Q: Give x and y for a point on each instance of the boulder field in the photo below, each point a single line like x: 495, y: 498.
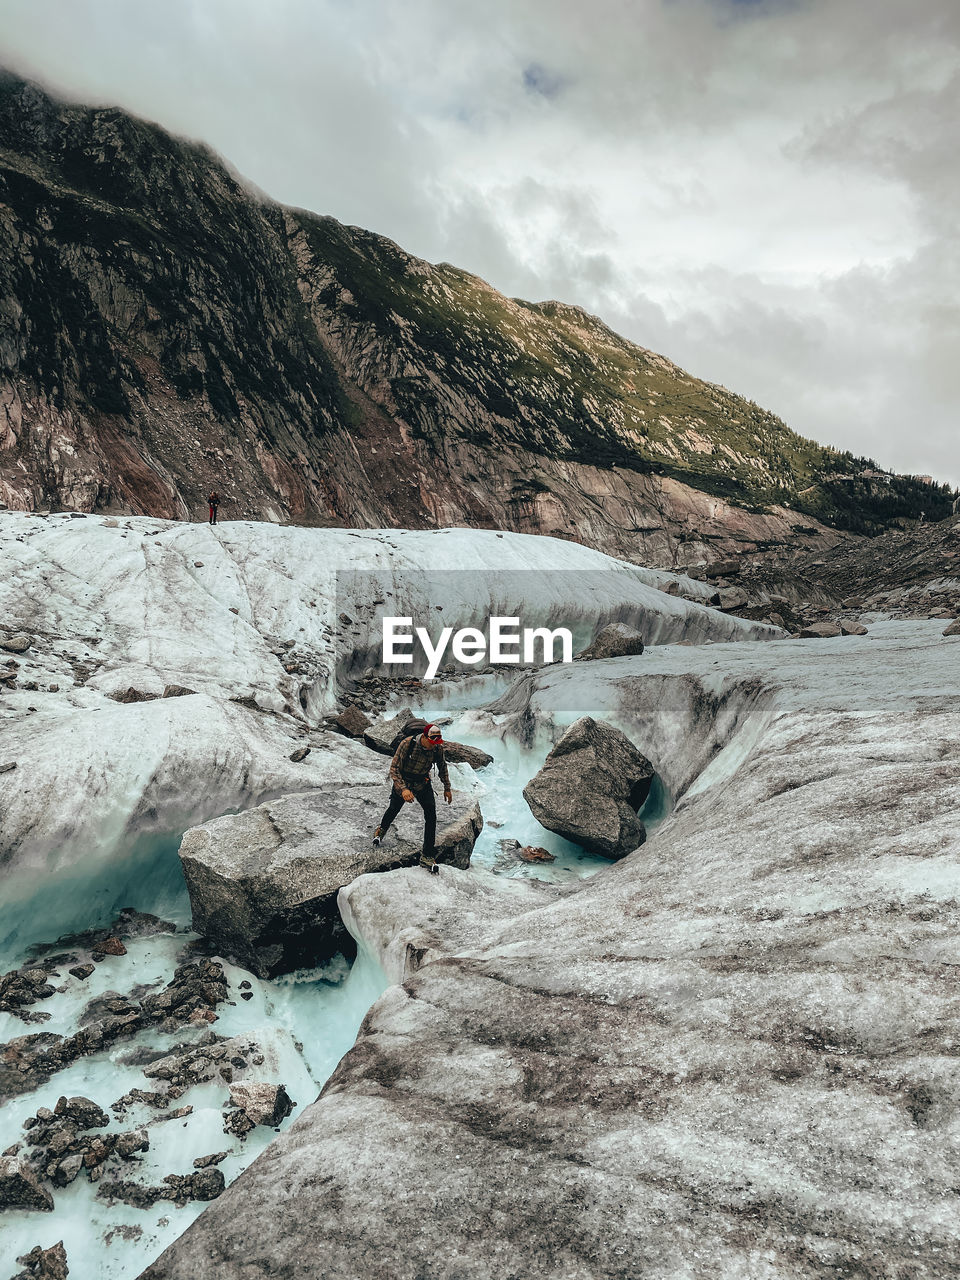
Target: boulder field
x: 732, y: 1053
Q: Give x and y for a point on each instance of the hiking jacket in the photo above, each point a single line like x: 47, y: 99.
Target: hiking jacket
x: 413, y: 761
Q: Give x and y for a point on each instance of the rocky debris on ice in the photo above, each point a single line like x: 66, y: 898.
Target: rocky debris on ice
x: 616, y: 640
x: 215, y: 1157
x: 513, y: 851
x: 21, y: 988
x: 205, y: 1184
x: 590, y: 787
x: 61, y: 1145
x: 263, y: 884
x: 29, y: 1060
x: 953, y: 629
x: 214, y: 1059
x: 733, y: 1052
x: 535, y: 853
x: 81, y: 1112
x: 44, y: 1264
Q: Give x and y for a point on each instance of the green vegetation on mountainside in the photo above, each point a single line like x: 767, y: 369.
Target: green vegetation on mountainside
x: 556, y: 380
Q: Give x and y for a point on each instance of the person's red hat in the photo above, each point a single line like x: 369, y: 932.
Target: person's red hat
x: 432, y: 731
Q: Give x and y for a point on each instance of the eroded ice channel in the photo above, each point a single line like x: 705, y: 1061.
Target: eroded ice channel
x: 302, y: 1023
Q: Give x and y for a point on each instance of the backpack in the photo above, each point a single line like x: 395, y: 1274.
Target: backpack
x: 412, y: 729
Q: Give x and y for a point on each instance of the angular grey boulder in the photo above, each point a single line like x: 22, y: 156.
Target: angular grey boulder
x: 380, y: 735
x: 590, y: 787
x: 615, y: 641
x: 263, y: 884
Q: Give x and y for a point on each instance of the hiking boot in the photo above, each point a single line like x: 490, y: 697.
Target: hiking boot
x: 430, y: 864
x: 377, y: 838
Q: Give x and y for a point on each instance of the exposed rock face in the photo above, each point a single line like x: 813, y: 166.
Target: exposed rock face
x: 614, y: 641
x: 718, y: 1057
x: 263, y: 883
x: 590, y: 787
x: 214, y: 339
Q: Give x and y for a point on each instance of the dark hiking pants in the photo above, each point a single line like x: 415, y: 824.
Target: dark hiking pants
x: 425, y: 798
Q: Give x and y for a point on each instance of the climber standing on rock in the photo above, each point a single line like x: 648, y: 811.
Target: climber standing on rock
x: 410, y: 770
x: 214, y: 501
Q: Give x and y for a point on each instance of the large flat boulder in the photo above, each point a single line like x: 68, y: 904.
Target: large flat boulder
x: 590, y: 787
x: 263, y: 884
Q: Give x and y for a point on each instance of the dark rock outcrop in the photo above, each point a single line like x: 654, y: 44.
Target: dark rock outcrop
x: 590, y: 787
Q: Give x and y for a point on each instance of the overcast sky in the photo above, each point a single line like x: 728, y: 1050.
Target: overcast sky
x: 766, y: 191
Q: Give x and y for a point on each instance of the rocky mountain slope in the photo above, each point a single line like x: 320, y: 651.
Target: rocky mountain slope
x: 165, y: 329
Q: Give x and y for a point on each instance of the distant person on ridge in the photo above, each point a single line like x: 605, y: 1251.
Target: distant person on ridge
x: 214, y: 501
x: 410, y: 775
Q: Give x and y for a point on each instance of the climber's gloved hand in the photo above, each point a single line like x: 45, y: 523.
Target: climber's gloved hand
x: 407, y: 795
x: 448, y: 795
